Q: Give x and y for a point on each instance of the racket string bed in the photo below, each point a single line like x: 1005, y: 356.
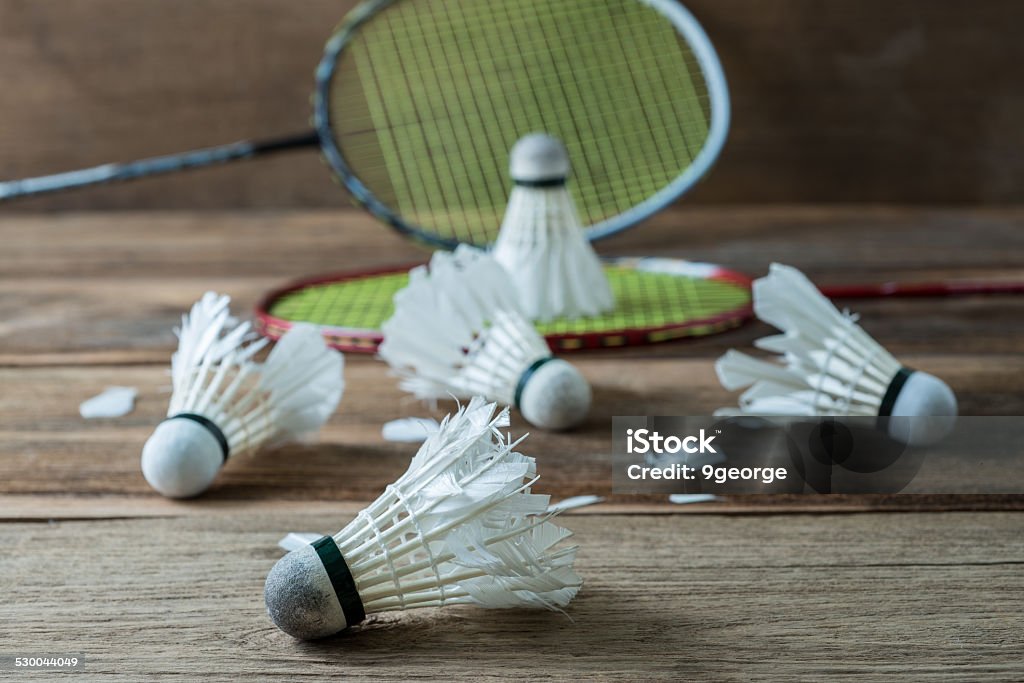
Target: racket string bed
x: 658, y: 300
x: 445, y: 110
x: 418, y: 102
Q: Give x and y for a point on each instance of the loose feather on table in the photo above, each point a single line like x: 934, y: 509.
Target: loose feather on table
x: 112, y: 402
x: 409, y: 429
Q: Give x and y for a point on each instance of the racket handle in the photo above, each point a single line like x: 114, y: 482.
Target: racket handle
x: 107, y: 173
x: 924, y: 289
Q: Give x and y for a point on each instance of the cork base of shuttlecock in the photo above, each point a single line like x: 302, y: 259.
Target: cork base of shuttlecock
x: 300, y: 597
x: 925, y: 411
x: 556, y: 397
x: 181, y: 459
x: 538, y: 157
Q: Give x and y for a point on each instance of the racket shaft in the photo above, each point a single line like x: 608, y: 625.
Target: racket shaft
x: 107, y: 173
x: 924, y: 289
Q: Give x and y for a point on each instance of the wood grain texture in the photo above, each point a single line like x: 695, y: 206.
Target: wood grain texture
x: 850, y: 100
x: 751, y: 588
x: 46, y: 448
x: 52, y: 508
x: 89, y: 300
x: 91, y: 286
x: 874, y: 597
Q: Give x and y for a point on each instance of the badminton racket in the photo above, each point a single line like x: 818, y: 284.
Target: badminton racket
x: 418, y: 102
x: 657, y: 300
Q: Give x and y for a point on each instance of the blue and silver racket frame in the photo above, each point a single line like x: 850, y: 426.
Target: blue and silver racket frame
x: 680, y: 17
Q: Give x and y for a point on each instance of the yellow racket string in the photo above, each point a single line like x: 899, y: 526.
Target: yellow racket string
x: 644, y: 300
x: 430, y: 96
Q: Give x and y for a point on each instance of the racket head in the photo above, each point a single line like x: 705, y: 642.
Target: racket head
x: 417, y: 104
x: 657, y: 300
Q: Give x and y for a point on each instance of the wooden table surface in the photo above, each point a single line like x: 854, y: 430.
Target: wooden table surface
x: 793, y: 588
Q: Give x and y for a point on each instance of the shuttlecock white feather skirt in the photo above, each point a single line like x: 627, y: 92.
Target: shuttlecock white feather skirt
x: 492, y: 365
x: 224, y: 403
x: 828, y: 365
x: 461, y: 526
x: 457, y: 331
x: 546, y: 253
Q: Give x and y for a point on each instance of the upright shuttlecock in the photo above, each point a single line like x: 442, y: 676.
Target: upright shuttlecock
x: 830, y: 366
x: 224, y: 403
x: 542, y: 244
x: 457, y: 331
x: 461, y: 526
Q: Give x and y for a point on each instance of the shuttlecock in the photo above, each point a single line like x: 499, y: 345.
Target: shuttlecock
x: 830, y: 366
x: 542, y: 244
x: 457, y: 331
x: 461, y: 526
x: 225, y: 403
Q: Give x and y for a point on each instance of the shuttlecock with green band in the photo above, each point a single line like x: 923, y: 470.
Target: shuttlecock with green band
x: 461, y: 526
x: 829, y: 366
x: 458, y: 331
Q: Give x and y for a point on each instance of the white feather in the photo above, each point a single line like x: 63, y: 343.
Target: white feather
x: 574, y: 503
x: 690, y: 498
x: 296, y: 540
x: 462, y: 525
x: 409, y: 429
x: 827, y: 365
x: 214, y: 375
x: 112, y: 402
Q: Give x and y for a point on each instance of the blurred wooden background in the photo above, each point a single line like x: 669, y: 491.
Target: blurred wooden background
x: 910, y: 101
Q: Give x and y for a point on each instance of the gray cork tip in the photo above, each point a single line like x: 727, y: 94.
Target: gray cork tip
x: 539, y: 157
x: 300, y: 598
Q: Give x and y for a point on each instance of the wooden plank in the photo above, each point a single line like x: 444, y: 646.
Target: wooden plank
x: 46, y: 448
x: 91, y: 286
x: 88, y: 300
x: 842, y: 101
x: 921, y: 597
x: 847, y: 243
x: 72, y: 508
